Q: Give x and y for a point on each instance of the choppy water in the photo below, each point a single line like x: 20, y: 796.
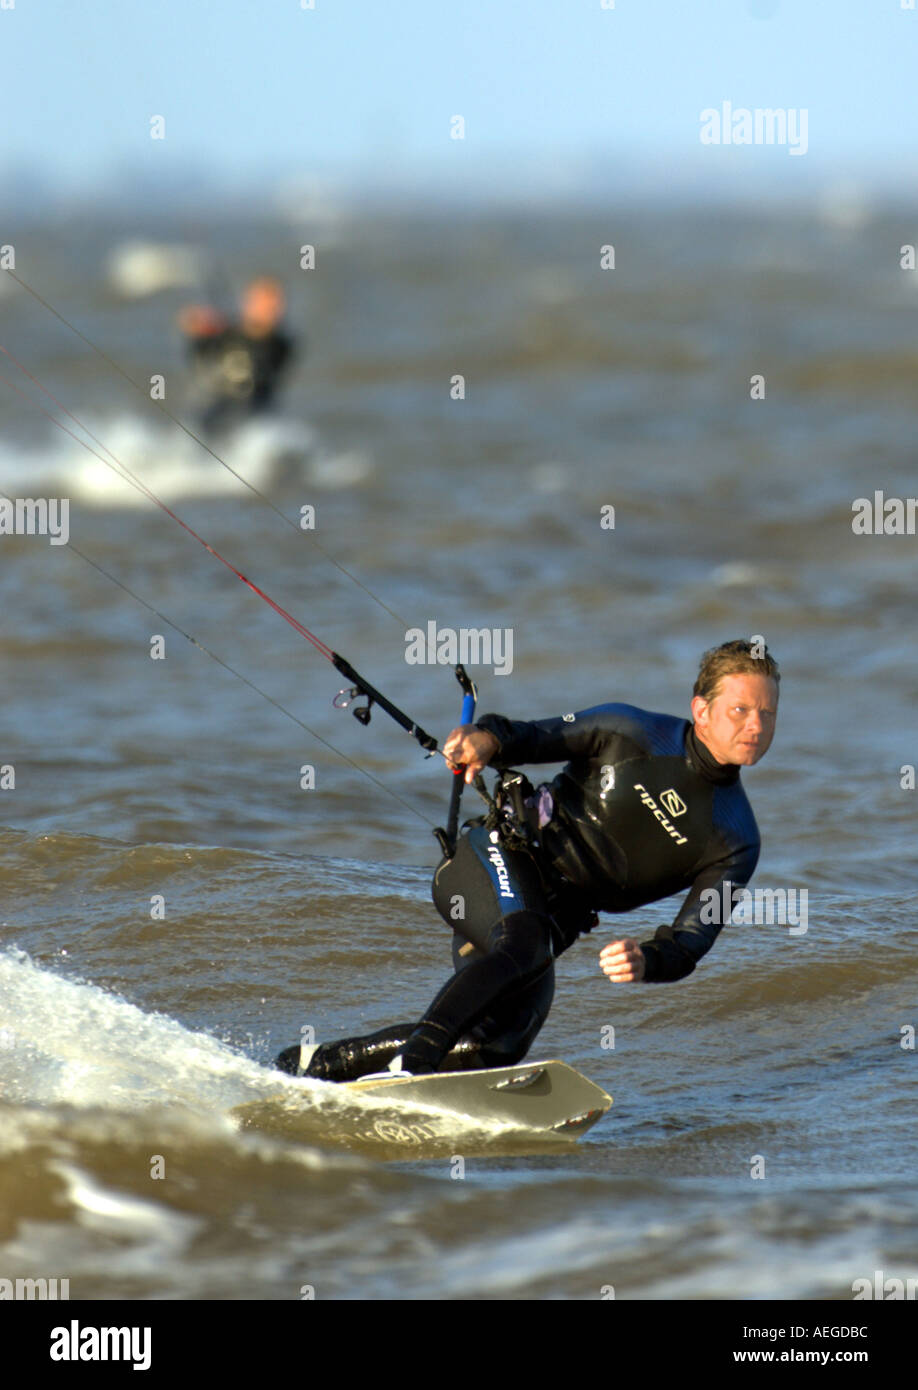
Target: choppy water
x: 124, y: 1037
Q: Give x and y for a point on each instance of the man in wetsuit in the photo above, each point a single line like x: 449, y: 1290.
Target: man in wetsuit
x: 646, y: 806
x: 238, y: 366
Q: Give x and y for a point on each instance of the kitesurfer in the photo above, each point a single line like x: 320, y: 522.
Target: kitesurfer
x: 238, y: 366
x: 647, y: 805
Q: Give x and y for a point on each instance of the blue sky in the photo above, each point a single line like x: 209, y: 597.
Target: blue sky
x: 556, y: 94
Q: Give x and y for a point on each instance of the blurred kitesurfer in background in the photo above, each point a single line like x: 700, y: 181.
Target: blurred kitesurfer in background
x: 237, y: 365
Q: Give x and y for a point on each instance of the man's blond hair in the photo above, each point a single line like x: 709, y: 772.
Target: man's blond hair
x: 738, y: 658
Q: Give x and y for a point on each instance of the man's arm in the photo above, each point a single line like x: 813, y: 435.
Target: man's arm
x: 500, y: 742
x: 677, y: 948
x: 559, y: 740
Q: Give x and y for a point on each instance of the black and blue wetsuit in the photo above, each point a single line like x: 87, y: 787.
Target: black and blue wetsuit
x: 641, y: 810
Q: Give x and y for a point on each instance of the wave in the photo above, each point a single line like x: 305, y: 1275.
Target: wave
x: 264, y: 453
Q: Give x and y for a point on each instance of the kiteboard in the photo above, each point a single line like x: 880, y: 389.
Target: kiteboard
x: 525, y: 1106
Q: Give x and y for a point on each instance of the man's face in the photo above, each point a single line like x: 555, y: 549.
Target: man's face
x: 739, y: 723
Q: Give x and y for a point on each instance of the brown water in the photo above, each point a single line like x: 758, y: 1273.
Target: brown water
x: 125, y: 1037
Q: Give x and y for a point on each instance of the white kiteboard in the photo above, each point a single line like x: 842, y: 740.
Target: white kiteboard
x: 532, y: 1103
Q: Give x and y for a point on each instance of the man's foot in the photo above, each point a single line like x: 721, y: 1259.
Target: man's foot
x: 295, y: 1060
x: 425, y: 1049
x: 394, y: 1070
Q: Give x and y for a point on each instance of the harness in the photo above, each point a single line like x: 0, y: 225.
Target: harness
x: 512, y: 812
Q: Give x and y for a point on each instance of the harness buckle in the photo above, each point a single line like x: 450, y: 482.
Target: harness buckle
x: 514, y: 820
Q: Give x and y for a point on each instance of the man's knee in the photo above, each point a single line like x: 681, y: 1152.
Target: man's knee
x: 505, y: 1036
x: 525, y: 937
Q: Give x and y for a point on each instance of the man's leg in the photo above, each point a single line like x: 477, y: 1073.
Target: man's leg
x: 497, y: 1040
x: 494, y: 899
x: 519, y: 954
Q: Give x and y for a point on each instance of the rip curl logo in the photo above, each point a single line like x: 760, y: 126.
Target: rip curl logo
x: 500, y: 868
x: 673, y: 802
x: 568, y: 718
x: 652, y: 806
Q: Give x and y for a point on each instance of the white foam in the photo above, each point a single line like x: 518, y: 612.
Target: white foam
x: 71, y: 1043
x: 66, y: 1042
x: 170, y: 463
x: 139, y: 268
x: 115, y: 1213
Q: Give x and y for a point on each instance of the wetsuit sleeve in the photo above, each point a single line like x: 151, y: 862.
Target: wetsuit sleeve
x: 559, y: 740
x: 677, y: 948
